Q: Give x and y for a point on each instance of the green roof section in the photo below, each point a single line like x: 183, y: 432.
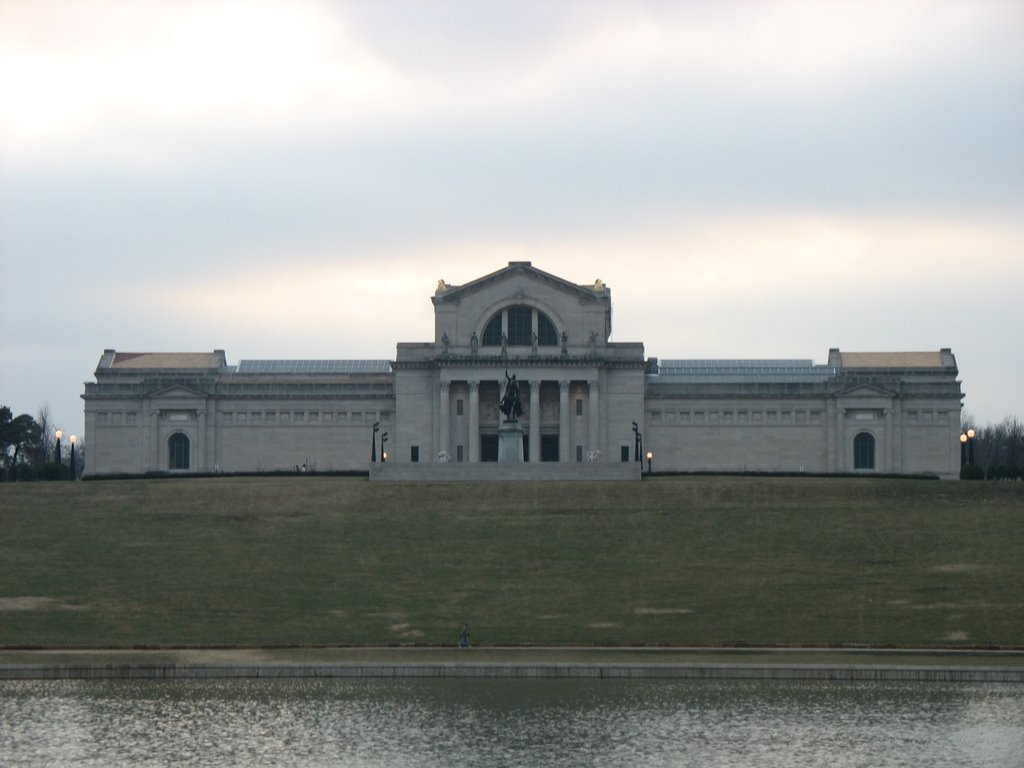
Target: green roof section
x: 259, y: 367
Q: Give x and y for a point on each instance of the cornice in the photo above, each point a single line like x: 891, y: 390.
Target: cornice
x: 533, y: 361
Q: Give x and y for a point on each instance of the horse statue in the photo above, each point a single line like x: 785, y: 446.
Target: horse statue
x: 510, y: 404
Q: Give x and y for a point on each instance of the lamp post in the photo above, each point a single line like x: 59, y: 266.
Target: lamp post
x: 967, y: 447
x: 58, y: 434
x: 74, y: 470
x: 638, y: 443
x: 383, y: 453
x: 373, y: 442
x: 650, y: 458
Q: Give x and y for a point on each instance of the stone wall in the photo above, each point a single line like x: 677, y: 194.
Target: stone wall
x: 486, y: 472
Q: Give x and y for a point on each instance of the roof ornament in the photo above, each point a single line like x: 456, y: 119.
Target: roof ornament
x: 441, y: 286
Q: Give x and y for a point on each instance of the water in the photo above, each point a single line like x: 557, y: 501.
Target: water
x: 494, y: 723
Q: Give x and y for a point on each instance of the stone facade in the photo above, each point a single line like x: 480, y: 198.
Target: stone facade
x: 253, y: 417
x: 581, y: 394
x: 901, y: 409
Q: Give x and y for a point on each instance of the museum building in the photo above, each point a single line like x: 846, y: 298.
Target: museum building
x: 590, y: 407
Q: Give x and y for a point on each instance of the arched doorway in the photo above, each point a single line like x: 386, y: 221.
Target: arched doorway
x: 864, y: 451
x: 179, y: 450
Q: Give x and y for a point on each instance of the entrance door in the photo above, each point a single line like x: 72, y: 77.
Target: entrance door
x: 549, y: 447
x: 488, y: 447
x: 178, y: 450
x: 864, y: 451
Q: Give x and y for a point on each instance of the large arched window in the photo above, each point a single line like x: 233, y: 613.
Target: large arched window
x: 546, y: 331
x: 178, y: 449
x: 519, y: 323
x: 864, y: 451
x: 492, y: 332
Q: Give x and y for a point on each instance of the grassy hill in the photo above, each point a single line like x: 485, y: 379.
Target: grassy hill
x: 688, y: 560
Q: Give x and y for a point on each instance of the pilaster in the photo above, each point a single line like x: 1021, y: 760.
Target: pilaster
x: 200, y: 449
x: 594, y: 421
x: 564, y: 436
x: 889, y: 439
x: 444, y: 418
x: 534, y: 420
x: 474, y: 422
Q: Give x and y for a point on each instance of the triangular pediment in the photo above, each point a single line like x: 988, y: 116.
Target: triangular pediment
x: 865, y: 390
x: 177, y: 392
x: 454, y: 293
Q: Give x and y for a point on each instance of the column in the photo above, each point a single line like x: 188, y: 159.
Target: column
x: 594, y: 420
x: 564, y: 438
x: 200, y: 450
x: 154, y: 441
x: 445, y: 418
x: 897, y: 437
x: 145, y: 427
x: 887, y: 467
x: 212, y: 457
x: 534, y: 420
x: 89, y: 435
x: 831, y: 464
x: 474, y: 422
x: 841, y: 449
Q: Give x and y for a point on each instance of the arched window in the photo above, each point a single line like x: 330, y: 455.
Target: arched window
x: 520, y: 326
x: 492, y: 333
x: 519, y: 323
x: 178, y: 450
x: 546, y: 331
x: 864, y: 451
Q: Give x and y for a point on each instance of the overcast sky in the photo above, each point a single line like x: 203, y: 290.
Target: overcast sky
x: 290, y: 179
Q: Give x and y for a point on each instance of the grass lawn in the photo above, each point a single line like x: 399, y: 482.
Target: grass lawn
x: 674, y: 560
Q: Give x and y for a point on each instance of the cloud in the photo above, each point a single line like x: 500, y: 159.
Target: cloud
x: 845, y: 279
x: 533, y: 52
x: 152, y: 85
x: 735, y: 171
x: 736, y: 272
x: 72, y: 69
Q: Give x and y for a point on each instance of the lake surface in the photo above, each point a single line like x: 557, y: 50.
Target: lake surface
x: 494, y: 723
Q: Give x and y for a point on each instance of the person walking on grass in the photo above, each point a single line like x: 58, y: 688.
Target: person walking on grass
x: 464, y: 636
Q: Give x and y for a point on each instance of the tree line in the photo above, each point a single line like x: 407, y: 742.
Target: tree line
x: 31, y: 450
x: 992, y: 452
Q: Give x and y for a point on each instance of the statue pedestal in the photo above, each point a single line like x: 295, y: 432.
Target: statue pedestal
x: 510, y: 442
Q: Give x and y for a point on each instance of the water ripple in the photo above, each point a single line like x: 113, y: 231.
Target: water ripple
x: 496, y: 723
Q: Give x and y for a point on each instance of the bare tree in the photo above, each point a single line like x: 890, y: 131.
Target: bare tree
x: 1015, y: 445
x: 47, y: 448
x: 998, y: 449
